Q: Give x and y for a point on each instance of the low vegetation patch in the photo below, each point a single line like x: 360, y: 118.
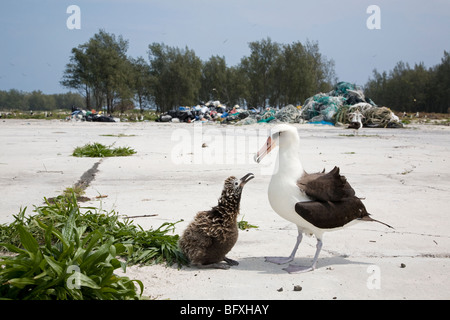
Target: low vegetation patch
x: 98, y: 150
x: 62, y: 253
x: 76, y: 190
x: 120, y: 135
x: 245, y: 225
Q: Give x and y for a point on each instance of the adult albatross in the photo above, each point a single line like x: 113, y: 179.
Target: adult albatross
x: 316, y: 202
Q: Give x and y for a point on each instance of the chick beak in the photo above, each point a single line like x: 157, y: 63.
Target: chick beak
x: 266, y: 148
x: 245, y: 179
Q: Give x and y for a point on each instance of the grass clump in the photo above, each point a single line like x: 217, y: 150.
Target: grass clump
x: 98, y: 150
x: 245, y: 225
x: 120, y: 135
x: 62, y: 253
x: 76, y: 190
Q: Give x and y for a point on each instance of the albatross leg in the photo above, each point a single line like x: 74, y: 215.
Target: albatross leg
x: 299, y: 269
x: 283, y: 260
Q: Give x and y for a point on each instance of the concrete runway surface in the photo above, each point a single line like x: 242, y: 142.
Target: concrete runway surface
x: 179, y: 169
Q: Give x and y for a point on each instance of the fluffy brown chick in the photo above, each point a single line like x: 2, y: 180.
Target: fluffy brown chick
x: 213, y: 233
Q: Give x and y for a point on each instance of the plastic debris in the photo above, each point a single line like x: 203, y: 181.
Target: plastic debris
x: 332, y: 108
x: 288, y: 114
x: 83, y: 115
x: 346, y: 98
x: 322, y: 105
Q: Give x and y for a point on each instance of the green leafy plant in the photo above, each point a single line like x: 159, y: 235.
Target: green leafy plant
x: 244, y: 225
x: 153, y: 246
x: 98, y: 150
x: 144, y: 246
x: 72, y: 268
x: 59, y: 248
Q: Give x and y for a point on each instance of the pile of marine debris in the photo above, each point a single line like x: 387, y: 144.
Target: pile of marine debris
x: 210, y: 111
x: 332, y: 108
x: 94, y: 116
x: 337, y: 106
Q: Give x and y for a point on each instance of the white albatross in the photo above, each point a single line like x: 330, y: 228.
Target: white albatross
x: 316, y: 203
x: 356, y: 121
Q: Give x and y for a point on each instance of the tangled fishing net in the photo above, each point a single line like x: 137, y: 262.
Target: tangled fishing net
x: 346, y: 98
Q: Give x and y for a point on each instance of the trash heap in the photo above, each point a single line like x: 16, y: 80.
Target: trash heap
x: 288, y: 114
x: 236, y: 115
x: 94, y: 116
x: 211, y: 111
x: 332, y: 108
x: 336, y: 106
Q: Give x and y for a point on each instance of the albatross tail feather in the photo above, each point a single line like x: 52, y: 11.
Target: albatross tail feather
x: 368, y: 218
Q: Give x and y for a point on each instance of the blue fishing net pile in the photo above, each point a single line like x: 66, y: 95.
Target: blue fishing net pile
x: 324, y: 106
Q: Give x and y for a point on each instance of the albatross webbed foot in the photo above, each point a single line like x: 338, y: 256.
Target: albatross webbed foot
x: 279, y: 260
x: 298, y: 269
x: 284, y: 260
x: 301, y: 269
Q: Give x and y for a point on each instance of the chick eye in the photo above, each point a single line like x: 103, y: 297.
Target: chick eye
x: 236, y: 183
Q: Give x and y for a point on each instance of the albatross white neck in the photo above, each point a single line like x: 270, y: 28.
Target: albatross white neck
x: 288, y: 160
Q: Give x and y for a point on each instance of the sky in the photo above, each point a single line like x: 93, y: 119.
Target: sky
x: 35, y: 42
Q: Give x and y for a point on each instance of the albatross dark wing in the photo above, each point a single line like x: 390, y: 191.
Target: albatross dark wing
x: 329, y: 215
x: 335, y: 202
x: 329, y: 186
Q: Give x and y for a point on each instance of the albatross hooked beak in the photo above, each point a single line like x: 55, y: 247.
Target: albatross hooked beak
x: 246, y: 178
x: 266, y: 148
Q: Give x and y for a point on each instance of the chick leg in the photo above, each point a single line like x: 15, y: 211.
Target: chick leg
x: 230, y: 262
x: 217, y: 265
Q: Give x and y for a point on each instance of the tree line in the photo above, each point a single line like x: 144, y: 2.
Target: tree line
x: 413, y: 89
x: 25, y: 101
x: 273, y: 74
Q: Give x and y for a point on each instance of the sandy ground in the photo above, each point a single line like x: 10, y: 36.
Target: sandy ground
x: 403, y: 174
